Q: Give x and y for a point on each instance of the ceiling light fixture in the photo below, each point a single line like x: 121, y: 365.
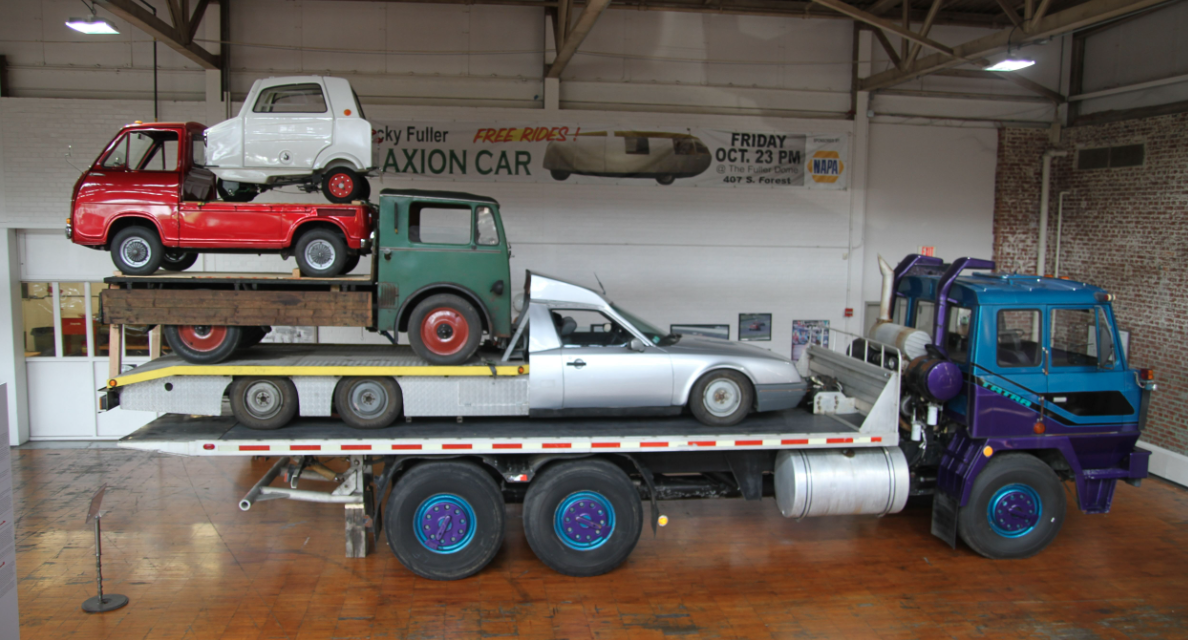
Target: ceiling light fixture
x: 1011, y: 64
x: 92, y: 25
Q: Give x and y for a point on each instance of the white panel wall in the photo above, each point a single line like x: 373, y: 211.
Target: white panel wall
x: 1148, y: 48
x: 928, y: 186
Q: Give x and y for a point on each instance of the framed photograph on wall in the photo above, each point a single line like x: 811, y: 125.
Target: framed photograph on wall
x: 754, y: 327
x: 806, y: 332
x: 707, y: 330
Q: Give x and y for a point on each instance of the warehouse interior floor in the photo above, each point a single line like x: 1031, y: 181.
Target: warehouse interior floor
x: 195, y: 566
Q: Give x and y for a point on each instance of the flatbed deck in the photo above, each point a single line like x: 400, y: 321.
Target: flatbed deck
x: 215, y: 277
x: 223, y: 436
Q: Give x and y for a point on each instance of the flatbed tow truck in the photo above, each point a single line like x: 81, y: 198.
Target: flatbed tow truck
x: 990, y: 392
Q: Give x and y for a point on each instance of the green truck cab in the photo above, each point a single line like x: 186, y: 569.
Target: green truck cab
x: 442, y: 273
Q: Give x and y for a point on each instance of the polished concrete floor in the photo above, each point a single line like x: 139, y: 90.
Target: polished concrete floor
x: 195, y: 566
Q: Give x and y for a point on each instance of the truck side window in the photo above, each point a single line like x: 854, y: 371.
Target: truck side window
x: 585, y: 328
x: 1019, y: 338
x: 291, y: 98
x: 484, y: 227
x: 439, y: 224
x: 144, y: 151
x: 925, y: 316
x: 957, y: 333
x: 198, y: 150
x: 1107, y: 356
x: 1074, y: 337
x: 118, y: 158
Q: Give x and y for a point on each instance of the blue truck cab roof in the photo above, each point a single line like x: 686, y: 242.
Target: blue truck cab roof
x: 1004, y: 289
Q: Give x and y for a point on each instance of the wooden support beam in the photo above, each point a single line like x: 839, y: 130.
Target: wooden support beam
x: 981, y: 74
x: 1080, y: 16
x: 196, y: 19
x: 1039, y: 14
x: 858, y: 14
x: 925, y: 28
x: 140, y: 18
x: 886, y: 44
x: 574, y: 39
x: 882, y: 6
x: 1009, y: 11
x: 906, y: 14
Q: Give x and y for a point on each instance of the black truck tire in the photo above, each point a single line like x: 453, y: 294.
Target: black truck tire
x: 321, y: 253
x: 1016, y: 508
x: 582, y: 518
x: 721, y: 398
x: 368, y: 402
x: 137, y: 251
x: 203, y: 344
x: 178, y: 260
x: 445, y: 329
x: 445, y: 520
x: 352, y: 261
x: 263, y: 402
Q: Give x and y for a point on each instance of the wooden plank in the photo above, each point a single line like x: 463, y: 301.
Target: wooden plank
x: 236, y: 308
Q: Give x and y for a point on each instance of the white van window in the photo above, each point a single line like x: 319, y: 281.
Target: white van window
x: 636, y: 145
x: 291, y: 98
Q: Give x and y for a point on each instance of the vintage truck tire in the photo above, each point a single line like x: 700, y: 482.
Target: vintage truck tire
x: 352, y: 261
x: 203, y: 344
x: 264, y: 402
x: 342, y: 185
x: 445, y: 329
x: 582, y: 518
x: 445, y: 520
x: 368, y: 402
x: 230, y: 191
x: 1016, y: 508
x: 137, y: 251
x: 721, y: 398
x: 251, y: 336
x: 321, y: 253
x: 178, y: 260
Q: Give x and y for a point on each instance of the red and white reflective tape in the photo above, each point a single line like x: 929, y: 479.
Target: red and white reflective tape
x: 501, y: 446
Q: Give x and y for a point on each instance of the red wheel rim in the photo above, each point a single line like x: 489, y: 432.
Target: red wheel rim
x: 202, y: 337
x: 444, y: 331
x: 341, y: 185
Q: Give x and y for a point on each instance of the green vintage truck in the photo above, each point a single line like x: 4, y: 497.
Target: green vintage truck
x: 439, y: 272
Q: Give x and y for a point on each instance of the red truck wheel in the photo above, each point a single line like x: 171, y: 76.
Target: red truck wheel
x: 342, y: 185
x: 202, y: 344
x: 445, y: 329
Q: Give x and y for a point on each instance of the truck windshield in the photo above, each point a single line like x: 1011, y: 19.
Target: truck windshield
x: 657, y: 336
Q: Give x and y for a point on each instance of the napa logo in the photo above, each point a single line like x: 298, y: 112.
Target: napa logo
x: 826, y: 167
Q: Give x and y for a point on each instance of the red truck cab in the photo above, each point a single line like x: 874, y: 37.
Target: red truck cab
x: 150, y: 201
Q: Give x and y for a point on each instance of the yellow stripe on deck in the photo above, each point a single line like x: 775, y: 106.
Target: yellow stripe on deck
x: 475, y: 371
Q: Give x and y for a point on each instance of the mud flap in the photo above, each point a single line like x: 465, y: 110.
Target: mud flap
x: 944, y: 518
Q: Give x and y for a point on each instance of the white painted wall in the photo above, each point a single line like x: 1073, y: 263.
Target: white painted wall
x: 928, y: 186
x: 1144, y: 49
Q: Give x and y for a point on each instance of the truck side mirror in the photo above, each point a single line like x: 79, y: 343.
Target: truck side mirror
x: 637, y: 345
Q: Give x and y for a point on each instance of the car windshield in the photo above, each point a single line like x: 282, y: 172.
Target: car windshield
x: 658, y: 337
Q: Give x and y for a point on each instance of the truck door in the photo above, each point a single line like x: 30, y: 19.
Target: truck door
x: 1088, y: 382
x: 287, y: 127
x: 138, y: 176
x: 602, y: 371
x: 1009, y: 378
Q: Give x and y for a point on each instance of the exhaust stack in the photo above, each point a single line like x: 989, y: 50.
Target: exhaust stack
x: 888, y: 282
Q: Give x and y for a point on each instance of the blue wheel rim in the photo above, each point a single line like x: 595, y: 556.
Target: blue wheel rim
x: 1014, y: 511
x: 444, y: 523
x: 584, y: 520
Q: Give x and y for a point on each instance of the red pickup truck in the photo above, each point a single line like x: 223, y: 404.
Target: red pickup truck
x: 148, y: 199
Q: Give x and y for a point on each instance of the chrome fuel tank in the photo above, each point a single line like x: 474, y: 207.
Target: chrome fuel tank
x: 841, y: 482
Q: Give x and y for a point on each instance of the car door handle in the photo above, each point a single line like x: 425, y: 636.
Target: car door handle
x: 579, y: 363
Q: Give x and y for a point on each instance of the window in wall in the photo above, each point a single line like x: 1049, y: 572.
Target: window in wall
x: 37, y: 310
x: 291, y: 98
x: 72, y: 309
x: 1019, y: 338
x: 1127, y: 155
x: 957, y: 333
x: 73, y: 326
x: 101, y: 332
x: 439, y: 225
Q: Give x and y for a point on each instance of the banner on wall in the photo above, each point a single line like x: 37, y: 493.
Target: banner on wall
x: 584, y: 154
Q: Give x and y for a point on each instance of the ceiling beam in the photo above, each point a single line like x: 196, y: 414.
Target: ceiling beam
x: 882, y: 6
x: 886, y: 44
x: 196, y: 19
x: 1080, y: 16
x: 924, y: 29
x: 1030, y: 85
x: 1039, y: 14
x: 574, y: 38
x: 858, y: 14
x: 1010, y: 13
x: 140, y: 18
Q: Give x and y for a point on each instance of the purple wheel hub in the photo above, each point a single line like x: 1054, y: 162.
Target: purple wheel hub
x: 584, y: 520
x: 444, y: 523
x: 1015, y: 510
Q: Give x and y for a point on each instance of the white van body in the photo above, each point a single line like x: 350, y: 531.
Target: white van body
x: 290, y: 127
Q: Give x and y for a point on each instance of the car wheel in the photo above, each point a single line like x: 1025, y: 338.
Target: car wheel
x: 665, y: 179
x: 559, y: 175
x: 203, y: 344
x: 178, y: 260
x: 1016, y: 508
x: 368, y: 403
x: 582, y: 518
x: 263, y: 403
x: 352, y: 261
x: 721, y: 398
x: 137, y: 251
x: 445, y: 520
x: 365, y: 193
x: 444, y: 329
x: 342, y: 185
x: 231, y: 191
x: 321, y: 253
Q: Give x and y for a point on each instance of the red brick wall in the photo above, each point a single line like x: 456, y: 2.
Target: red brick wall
x: 1125, y: 230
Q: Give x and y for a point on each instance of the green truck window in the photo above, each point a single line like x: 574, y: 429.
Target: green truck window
x: 484, y: 225
x: 439, y: 224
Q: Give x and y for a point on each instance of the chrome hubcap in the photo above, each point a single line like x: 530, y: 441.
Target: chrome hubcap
x: 368, y: 399
x: 135, y: 252
x: 722, y: 397
x: 263, y: 399
x: 319, y: 254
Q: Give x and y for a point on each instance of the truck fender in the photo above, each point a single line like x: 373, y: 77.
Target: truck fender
x: 309, y: 223
x: 406, y: 307
x: 339, y: 159
x: 681, y: 396
x: 125, y: 219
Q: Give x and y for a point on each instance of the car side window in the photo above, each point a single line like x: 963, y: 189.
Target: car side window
x: 1019, y: 338
x: 439, y: 224
x: 586, y: 328
x: 291, y: 98
x: 484, y: 226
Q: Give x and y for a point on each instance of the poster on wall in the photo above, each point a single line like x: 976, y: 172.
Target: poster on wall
x: 754, y: 327
x: 8, y: 576
x: 593, y: 153
x: 807, y: 332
